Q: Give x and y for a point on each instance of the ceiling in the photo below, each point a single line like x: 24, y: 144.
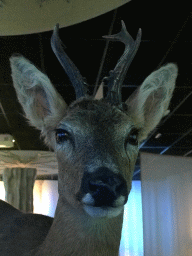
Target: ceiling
x: 165, y: 38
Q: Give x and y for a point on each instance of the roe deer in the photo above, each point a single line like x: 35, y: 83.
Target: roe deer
x: 96, y: 143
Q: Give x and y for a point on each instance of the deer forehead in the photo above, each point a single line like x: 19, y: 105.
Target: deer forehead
x: 86, y: 116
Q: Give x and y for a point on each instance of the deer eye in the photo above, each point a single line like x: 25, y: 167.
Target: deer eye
x: 61, y: 136
x: 132, y: 137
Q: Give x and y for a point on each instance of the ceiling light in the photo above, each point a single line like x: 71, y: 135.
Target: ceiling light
x: 158, y: 136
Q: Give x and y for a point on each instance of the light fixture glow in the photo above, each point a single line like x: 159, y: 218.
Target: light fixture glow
x: 158, y: 135
x: 2, y: 146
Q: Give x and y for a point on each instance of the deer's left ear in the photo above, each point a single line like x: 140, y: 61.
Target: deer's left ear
x: 151, y: 101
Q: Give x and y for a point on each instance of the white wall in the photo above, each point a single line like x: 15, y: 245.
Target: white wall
x: 45, y: 197
x: 132, y: 232
x: 167, y: 205
x: 2, y: 190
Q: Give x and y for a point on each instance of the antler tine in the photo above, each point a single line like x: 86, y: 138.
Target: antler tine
x: 73, y: 73
x: 117, y: 75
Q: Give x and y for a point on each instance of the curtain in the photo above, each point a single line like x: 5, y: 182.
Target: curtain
x: 19, y: 184
x: 132, y: 232
x: 167, y: 205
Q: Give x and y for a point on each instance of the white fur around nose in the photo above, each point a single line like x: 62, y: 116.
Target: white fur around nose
x: 120, y: 201
x: 88, y: 199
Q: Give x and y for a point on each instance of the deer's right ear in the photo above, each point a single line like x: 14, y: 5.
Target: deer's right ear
x: 39, y: 99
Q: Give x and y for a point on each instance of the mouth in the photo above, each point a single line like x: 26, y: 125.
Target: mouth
x: 95, y: 211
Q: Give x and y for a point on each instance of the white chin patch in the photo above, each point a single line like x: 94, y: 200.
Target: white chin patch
x: 109, y: 212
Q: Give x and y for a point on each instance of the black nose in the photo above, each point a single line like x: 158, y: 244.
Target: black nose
x: 104, y: 186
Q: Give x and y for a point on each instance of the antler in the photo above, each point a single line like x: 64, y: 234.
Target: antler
x: 117, y: 75
x: 71, y: 70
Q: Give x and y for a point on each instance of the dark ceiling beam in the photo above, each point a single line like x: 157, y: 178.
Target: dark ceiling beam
x: 177, y: 140
x: 188, y: 153
x: 105, y: 52
x: 161, y: 62
x: 176, y: 39
x: 4, y: 114
x: 41, y: 52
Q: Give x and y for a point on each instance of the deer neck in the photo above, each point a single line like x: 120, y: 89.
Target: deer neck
x: 75, y: 233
